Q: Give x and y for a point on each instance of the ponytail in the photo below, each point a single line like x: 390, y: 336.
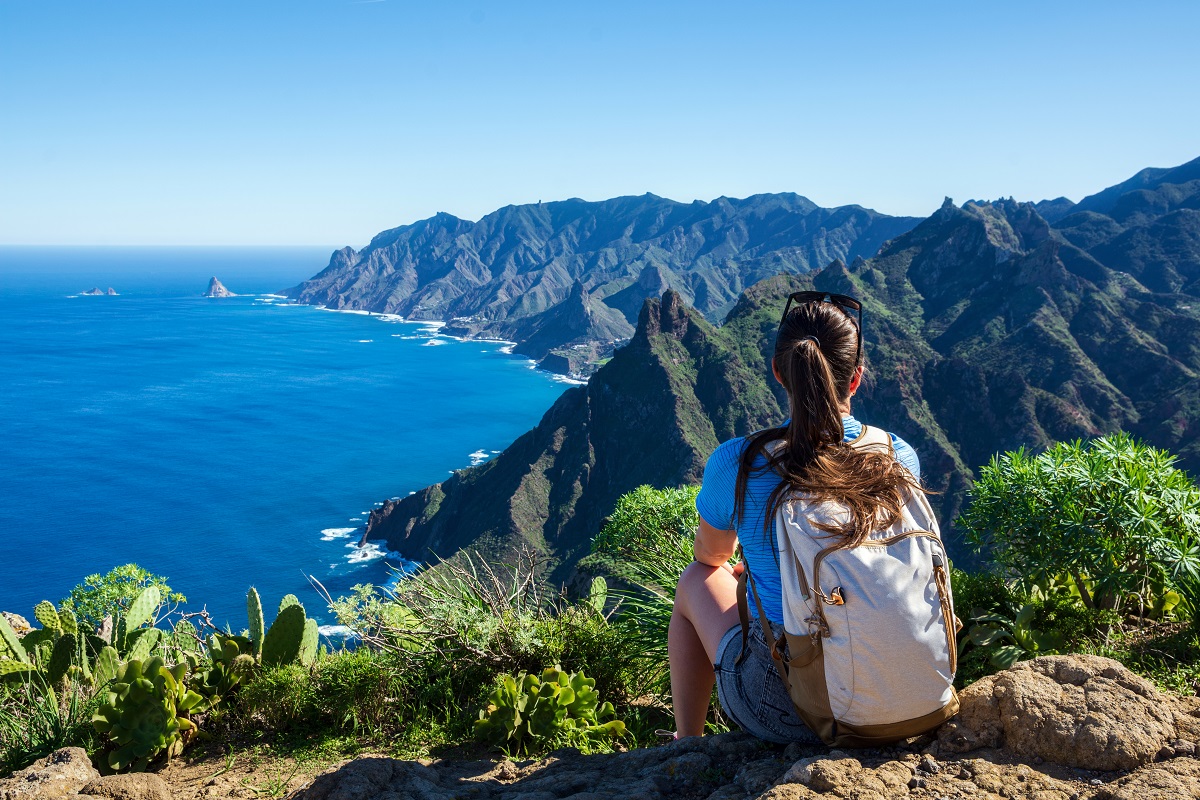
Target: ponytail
x: 816, y: 360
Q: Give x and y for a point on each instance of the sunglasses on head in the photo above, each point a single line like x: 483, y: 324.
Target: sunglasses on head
x: 847, y: 304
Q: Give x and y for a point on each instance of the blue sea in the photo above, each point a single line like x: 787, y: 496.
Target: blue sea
x: 223, y: 443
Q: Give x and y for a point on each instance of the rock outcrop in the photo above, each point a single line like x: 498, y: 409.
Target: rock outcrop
x: 68, y: 774
x: 1056, y: 728
x: 217, y: 289
x: 97, y: 291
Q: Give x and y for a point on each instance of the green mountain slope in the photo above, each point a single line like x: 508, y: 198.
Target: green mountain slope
x: 986, y: 329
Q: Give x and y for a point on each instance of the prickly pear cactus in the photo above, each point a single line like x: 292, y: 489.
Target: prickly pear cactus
x: 10, y: 644
x: 61, y: 658
x: 142, y: 643
x: 45, y: 613
x: 144, y: 714
x: 308, y: 644
x: 288, y: 600
x: 255, y: 614
x: 528, y: 712
x: 141, y: 610
x: 108, y: 664
x: 283, y: 641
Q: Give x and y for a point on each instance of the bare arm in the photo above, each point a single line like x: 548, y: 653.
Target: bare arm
x: 714, y: 547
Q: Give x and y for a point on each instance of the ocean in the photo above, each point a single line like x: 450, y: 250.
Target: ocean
x: 223, y: 443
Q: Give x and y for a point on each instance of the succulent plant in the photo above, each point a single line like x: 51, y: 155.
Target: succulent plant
x: 144, y: 713
x: 230, y: 661
x: 526, y: 712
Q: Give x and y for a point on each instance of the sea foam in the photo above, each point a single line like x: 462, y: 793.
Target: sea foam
x: 333, y: 534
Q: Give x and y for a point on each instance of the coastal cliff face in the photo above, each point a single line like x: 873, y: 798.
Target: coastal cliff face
x: 520, y: 272
x: 650, y: 416
x: 986, y: 330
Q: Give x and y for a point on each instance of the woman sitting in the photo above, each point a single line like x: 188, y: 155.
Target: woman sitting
x: 818, y: 360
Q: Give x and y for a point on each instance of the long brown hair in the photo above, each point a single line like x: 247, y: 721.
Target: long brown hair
x: 816, y: 356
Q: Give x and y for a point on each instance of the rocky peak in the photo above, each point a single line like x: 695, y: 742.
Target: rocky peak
x: 217, y: 289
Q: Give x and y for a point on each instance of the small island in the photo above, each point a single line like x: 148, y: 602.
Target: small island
x: 217, y: 289
x: 96, y: 290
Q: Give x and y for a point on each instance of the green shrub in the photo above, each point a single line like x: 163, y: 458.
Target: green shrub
x: 1112, y: 516
x: 650, y: 534
x: 102, y: 595
x: 527, y: 713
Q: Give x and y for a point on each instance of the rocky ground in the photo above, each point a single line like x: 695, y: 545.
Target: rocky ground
x: 1055, y: 728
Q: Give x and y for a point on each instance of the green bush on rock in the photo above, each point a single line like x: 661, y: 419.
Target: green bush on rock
x: 1112, y: 517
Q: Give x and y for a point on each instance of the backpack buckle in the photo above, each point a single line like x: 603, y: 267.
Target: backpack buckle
x: 834, y: 598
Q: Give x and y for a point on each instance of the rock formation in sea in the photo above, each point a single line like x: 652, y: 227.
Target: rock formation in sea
x: 97, y: 291
x: 217, y: 289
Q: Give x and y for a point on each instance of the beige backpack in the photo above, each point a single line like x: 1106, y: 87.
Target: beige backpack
x: 870, y: 630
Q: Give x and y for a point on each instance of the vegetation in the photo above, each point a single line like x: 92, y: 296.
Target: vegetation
x: 555, y: 709
x: 1093, y: 547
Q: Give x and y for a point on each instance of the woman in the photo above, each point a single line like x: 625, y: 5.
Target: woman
x: 818, y: 360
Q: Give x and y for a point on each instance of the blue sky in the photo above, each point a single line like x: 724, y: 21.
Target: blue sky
x: 323, y: 122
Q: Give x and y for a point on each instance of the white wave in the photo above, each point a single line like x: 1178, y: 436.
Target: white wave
x: 275, y: 296
x: 433, y: 343
x: 507, y: 349
x: 371, y: 551
x: 567, y: 379
x: 333, y: 534
x: 337, y: 631
x: 365, y: 341
x: 390, y: 317
x: 497, y: 452
x: 478, y: 457
x: 355, y: 519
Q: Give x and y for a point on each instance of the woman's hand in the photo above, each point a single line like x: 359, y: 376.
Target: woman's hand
x: 736, y: 569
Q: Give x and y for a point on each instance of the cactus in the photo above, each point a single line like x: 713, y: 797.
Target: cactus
x: 309, y: 642
x: 141, y: 610
x: 11, y: 667
x: 143, y: 643
x: 255, y: 613
x: 598, y: 595
x: 288, y: 600
x: 44, y: 613
x: 108, y: 664
x: 67, y: 622
x: 10, y: 645
x: 144, y: 713
x: 282, y: 643
x: 61, y: 658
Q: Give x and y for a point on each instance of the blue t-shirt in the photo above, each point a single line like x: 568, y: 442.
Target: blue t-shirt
x: 715, y: 504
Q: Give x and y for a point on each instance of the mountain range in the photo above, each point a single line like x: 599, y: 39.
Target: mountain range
x: 571, y: 276
x: 987, y: 328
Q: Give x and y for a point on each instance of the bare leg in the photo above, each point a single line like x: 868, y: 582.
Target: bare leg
x: 705, y: 608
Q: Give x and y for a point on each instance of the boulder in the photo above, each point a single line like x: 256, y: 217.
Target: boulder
x: 58, y: 776
x: 1080, y: 711
x: 135, y: 786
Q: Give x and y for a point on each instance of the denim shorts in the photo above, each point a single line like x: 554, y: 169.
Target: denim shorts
x: 752, y: 694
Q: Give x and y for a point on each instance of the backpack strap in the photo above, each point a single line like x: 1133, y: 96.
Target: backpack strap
x: 744, y: 613
x: 873, y: 439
